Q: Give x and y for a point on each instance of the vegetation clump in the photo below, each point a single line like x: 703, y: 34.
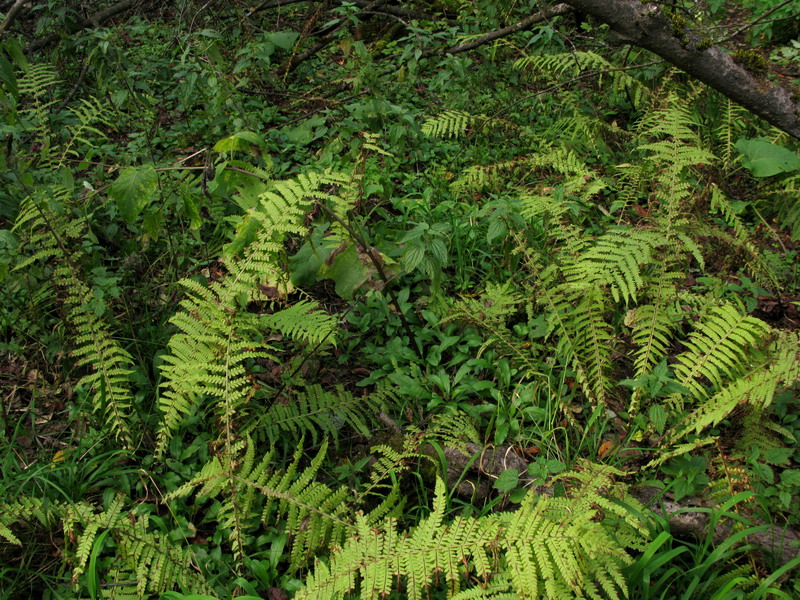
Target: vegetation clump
x: 390, y: 300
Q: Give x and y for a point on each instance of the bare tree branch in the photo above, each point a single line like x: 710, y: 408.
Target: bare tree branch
x: 646, y: 26
x: 527, y: 23
x: 94, y: 20
x: 11, y: 15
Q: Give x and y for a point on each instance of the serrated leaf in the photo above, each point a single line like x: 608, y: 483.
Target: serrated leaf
x: 414, y: 255
x: 507, y: 480
x: 133, y: 190
x: 242, y: 140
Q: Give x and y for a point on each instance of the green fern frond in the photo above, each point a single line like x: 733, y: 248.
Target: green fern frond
x: 571, y: 64
x: 761, y: 272
x: 219, y: 335
x: 616, y: 260
x: 654, y: 324
x: 455, y: 123
x: 718, y: 350
x: 549, y: 547
x: 25, y: 509
x: 578, y: 177
x: 51, y: 234
x: 313, y: 512
x: 90, y: 114
x: 302, y: 321
x: 156, y: 563
x: 754, y: 379
x: 584, y: 337
x: 310, y: 410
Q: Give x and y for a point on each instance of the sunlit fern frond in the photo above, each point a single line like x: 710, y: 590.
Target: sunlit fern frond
x: 219, y: 334
x: 726, y: 351
x: 718, y: 350
x: 456, y: 123
x: 554, y: 547
x: 616, y: 259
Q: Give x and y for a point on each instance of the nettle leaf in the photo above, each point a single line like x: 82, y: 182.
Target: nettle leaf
x: 242, y: 140
x: 283, y: 39
x: 765, y: 159
x: 507, y: 480
x: 133, y: 190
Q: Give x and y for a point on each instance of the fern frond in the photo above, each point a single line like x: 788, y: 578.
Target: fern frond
x: 616, y: 260
x: 755, y: 383
x: 156, y: 563
x: 653, y: 324
x: 450, y: 123
x: 313, y: 512
x: 455, y: 123
x: 310, y: 410
x: 24, y: 509
x: 90, y: 114
x: 551, y: 547
x: 578, y: 320
x: 51, y: 233
x: 572, y: 64
x: 760, y: 271
x: 302, y: 321
x: 718, y: 350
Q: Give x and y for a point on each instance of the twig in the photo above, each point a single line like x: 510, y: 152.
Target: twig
x: 756, y: 21
x: 74, y: 89
x: 555, y: 11
x: 95, y: 20
x: 11, y: 15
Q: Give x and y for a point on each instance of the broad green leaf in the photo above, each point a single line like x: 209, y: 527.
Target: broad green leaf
x: 283, y: 39
x: 765, y: 159
x: 242, y: 140
x: 133, y: 189
x: 347, y: 272
x: 507, y: 480
x: 246, y: 231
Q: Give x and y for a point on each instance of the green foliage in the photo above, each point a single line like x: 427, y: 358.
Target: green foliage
x: 555, y: 546
x: 283, y: 310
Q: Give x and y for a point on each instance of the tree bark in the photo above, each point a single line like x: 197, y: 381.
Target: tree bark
x: 645, y: 25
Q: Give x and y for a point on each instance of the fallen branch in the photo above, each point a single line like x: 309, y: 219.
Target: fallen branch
x: 527, y: 23
x: 645, y: 25
x: 94, y: 20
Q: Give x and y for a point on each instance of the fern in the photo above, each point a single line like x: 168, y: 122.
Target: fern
x: 455, y: 123
x: 218, y: 335
x: 313, y: 411
x: 754, y: 377
x: 549, y: 547
x: 616, y: 259
x: 572, y: 64
x: 108, y: 366
x: 718, y: 350
x: 315, y: 514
